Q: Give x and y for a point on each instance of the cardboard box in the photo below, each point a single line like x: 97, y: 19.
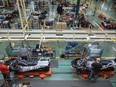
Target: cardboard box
x: 61, y: 25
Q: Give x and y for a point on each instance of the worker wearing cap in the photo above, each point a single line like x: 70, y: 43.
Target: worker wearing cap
x: 96, y: 67
x: 24, y: 52
x: 5, y: 72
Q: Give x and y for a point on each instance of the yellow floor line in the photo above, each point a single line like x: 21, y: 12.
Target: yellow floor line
x: 57, y: 57
x: 76, y: 78
x: 108, y: 57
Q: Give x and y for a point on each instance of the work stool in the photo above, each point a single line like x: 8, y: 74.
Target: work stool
x: 26, y: 84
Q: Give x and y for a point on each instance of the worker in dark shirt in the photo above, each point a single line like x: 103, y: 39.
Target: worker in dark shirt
x: 96, y: 67
x: 60, y: 9
x: 6, y: 73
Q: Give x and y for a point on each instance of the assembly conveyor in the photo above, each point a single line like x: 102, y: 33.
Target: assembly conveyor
x: 54, y: 35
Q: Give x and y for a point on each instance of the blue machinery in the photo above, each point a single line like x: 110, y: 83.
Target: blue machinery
x: 73, y: 49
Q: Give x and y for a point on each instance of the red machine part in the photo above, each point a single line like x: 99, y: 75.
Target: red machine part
x: 104, y: 74
x: 41, y: 74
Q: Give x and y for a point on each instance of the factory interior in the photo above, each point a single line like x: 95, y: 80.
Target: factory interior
x: 53, y: 43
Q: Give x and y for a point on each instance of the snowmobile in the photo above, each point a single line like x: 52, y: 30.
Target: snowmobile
x: 31, y: 64
x: 83, y: 65
x: 32, y: 67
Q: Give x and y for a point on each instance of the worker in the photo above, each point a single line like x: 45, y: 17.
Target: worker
x: 6, y: 73
x: 24, y: 52
x: 60, y: 9
x: 96, y: 67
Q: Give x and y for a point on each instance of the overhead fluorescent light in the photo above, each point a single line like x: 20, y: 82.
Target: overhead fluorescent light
x: 89, y: 38
x: 26, y: 36
x: 91, y: 35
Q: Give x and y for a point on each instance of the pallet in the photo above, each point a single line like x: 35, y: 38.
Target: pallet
x: 32, y: 74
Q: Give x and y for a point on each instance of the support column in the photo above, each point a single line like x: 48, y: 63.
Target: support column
x: 19, y: 10
x: 77, y: 8
x: 7, y: 2
x: 65, y: 1
x: 95, y: 7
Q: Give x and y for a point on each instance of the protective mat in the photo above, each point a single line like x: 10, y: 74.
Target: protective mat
x: 72, y: 83
x: 54, y: 63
